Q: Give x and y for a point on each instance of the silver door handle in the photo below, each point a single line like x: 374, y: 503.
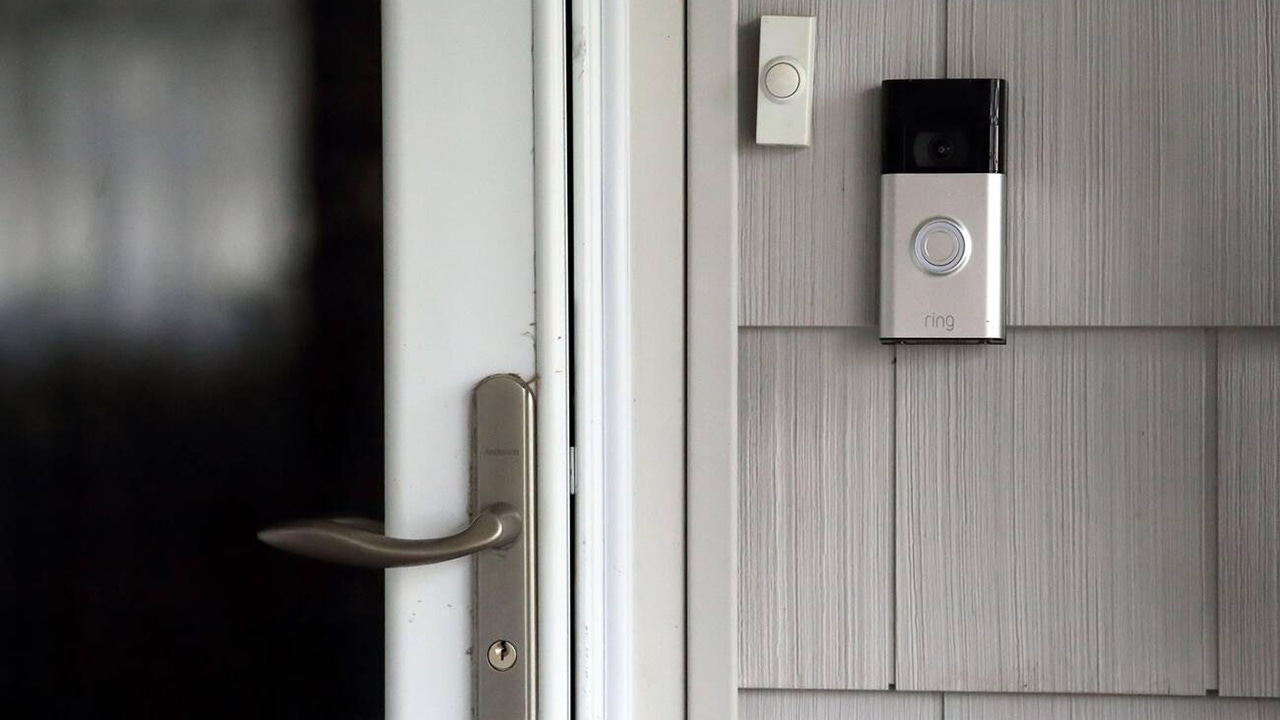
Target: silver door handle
x: 360, y: 542
x: 504, y: 487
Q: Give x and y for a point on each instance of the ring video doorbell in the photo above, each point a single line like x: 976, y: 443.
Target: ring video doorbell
x: 942, y: 212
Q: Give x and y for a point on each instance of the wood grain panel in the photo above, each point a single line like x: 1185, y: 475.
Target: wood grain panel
x: 1145, y: 444
x: 812, y: 705
x: 1249, y: 507
x: 1144, y: 156
x: 1050, y: 501
x: 809, y: 216
x: 816, y: 519
x: 1077, y: 707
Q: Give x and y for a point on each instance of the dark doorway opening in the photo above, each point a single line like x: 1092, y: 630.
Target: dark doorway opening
x: 191, y: 334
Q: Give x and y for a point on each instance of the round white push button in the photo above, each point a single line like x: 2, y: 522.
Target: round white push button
x: 940, y: 246
x: 782, y: 80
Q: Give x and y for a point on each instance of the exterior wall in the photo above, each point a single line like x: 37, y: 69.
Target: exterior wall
x: 1086, y: 519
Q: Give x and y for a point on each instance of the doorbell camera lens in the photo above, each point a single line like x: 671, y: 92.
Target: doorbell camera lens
x: 942, y: 212
x: 941, y: 148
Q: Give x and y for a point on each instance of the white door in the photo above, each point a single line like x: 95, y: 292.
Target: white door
x: 461, y: 205
x: 256, y: 258
x: 462, y: 201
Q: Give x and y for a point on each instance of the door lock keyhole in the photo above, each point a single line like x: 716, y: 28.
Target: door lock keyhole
x: 502, y: 655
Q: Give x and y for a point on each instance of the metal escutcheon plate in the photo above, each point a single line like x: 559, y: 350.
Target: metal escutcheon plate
x: 505, y: 608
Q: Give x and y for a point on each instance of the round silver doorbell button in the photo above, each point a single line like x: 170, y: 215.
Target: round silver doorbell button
x: 940, y: 246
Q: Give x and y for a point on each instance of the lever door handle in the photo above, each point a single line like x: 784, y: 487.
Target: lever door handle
x: 360, y: 542
x: 504, y: 485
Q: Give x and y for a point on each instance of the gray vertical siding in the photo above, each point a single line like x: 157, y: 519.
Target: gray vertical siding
x: 1249, y: 511
x: 1050, y: 501
x: 1090, y: 510
x: 809, y: 216
x: 792, y: 705
x: 816, y: 571
x: 1083, y: 707
x: 802, y: 705
x: 1144, y: 160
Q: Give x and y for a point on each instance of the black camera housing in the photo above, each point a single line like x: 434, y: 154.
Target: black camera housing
x: 943, y: 126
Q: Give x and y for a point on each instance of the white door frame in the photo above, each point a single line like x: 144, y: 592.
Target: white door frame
x: 656, y: 112
x: 451, y: 90
x: 552, y: 292
x: 713, y: 359
x: 628, y: 106
x: 475, y: 178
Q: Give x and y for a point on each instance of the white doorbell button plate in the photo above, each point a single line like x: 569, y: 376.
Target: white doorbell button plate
x: 784, y: 99
x: 940, y: 246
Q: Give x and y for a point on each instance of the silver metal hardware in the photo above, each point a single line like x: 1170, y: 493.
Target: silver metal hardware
x: 932, y: 290
x: 573, y: 470
x: 500, y: 537
x: 941, y: 246
x: 360, y: 542
x: 506, y: 607
x: 502, y: 655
